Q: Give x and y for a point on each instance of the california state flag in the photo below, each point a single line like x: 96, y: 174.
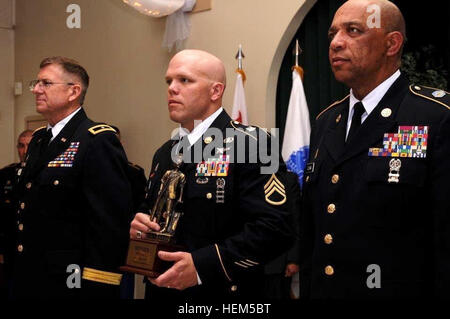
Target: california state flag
x: 239, y: 112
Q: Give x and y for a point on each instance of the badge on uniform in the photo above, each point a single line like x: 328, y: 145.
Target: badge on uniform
x: 310, y: 168
x: 221, y: 150
x: 410, y: 141
x: 202, y: 180
x: 66, y: 159
x: 275, y: 191
x: 220, y: 191
x: 394, y: 170
x: 214, y: 167
x: 228, y: 140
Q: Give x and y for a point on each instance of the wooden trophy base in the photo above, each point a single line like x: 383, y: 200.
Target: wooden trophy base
x: 142, y: 257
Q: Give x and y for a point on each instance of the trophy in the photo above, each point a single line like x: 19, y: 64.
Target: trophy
x: 142, y: 257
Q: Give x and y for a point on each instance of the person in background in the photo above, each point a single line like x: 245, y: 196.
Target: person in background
x: 8, y: 180
x: 138, y: 182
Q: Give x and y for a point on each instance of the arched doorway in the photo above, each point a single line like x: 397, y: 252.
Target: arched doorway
x: 320, y: 86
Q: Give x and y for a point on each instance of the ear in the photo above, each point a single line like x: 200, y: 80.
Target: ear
x: 75, y: 92
x: 394, y: 43
x: 217, y: 91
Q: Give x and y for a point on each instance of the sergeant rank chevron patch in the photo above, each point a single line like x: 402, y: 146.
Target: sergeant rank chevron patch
x: 275, y: 191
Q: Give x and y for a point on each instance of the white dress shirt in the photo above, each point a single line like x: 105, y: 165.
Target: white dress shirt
x: 371, y: 100
x: 60, y: 125
x: 200, y: 127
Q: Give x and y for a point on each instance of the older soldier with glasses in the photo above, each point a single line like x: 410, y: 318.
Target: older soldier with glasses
x: 74, y: 196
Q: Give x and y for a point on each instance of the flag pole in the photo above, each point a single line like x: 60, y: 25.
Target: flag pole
x: 239, y: 111
x: 240, y: 57
x: 297, y: 67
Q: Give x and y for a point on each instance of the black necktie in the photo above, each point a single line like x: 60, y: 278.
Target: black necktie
x: 45, y: 140
x: 358, y: 111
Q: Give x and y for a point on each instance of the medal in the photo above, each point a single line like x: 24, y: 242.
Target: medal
x: 220, y: 191
x: 202, y: 180
x: 394, y: 170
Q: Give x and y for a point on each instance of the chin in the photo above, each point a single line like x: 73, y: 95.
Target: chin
x: 173, y: 117
x: 343, y: 77
x: 40, y: 108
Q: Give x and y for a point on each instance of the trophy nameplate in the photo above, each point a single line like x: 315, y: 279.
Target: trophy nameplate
x: 142, y: 257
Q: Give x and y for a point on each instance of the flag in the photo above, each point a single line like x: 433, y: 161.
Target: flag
x: 239, y: 112
x: 295, y: 149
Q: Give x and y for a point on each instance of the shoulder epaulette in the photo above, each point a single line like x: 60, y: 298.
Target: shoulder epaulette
x: 38, y: 129
x: 334, y: 104
x: 248, y: 130
x: 135, y: 166
x: 99, y: 128
x: 436, y: 95
x: 11, y: 165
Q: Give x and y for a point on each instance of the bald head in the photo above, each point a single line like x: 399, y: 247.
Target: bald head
x: 196, y: 82
x: 366, y: 43
x: 391, y: 17
x: 205, y: 63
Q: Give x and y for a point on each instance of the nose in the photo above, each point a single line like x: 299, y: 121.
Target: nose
x: 37, y: 88
x: 338, y: 42
x: 173, y: 88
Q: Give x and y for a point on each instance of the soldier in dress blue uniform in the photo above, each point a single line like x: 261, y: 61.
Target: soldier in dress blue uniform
x: 74, y: 197
x: 8, y: 180
x: 234, y: 217
x: 376, y: 215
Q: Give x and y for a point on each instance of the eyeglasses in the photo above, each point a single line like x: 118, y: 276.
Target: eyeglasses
x: 44, y: 84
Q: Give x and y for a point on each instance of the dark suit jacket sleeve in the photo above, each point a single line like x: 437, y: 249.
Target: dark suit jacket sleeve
x: 109, y: 202
x: 294, y: 203
x: 278, y: 265
x: 440, y: 202
x: 262, y: 233
x: 306, y: 220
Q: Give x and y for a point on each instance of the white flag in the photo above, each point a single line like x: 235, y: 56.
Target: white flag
x: 239, y: 112
x: 295, y: 150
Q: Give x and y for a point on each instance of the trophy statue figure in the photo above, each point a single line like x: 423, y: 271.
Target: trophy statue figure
x: 164, y: 212
x: 142, y: 257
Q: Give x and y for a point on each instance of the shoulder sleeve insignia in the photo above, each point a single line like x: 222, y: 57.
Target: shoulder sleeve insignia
x: 332, y: 105
x: 275, y: 191
x: 94, y: 130
x: 436, y: 95
x: 38, y: 129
